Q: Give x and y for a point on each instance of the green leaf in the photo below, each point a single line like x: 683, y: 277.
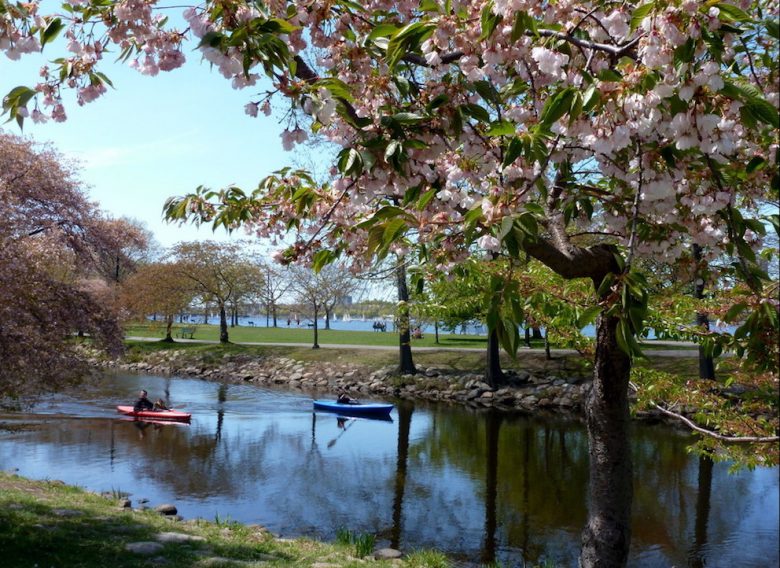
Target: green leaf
x: 476, y: 111
x: 501, y: 128
x: 488, y: 92
x: 588, y: 316
x: 408, y: 118
x: 557, y: 105
x: 392, y: 148
x: 735, y: 311
x: 609, y: 75
x: 52, y: 31
x: 337, y: 88
x: 639, y: 14
x: 489, y: 21
x: 732, y: 13
x: 513, y: 151
x: 382, y: 30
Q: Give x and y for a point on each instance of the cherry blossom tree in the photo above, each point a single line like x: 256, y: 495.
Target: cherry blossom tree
x: 502, y: 124
x: 49, y: 233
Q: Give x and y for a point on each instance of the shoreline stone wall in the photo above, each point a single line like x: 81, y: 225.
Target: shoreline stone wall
x: 528, y: 391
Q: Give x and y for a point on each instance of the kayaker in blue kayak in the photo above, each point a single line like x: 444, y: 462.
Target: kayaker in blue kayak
x: 344, y: 398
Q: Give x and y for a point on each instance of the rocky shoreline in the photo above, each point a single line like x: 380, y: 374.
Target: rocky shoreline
x: 555, y: 388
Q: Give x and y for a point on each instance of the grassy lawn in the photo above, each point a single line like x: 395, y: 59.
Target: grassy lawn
x: 245, y: 334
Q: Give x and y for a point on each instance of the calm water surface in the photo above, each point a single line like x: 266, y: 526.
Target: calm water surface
x: 480, y: 486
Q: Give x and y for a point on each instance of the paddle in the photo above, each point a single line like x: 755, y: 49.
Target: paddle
x: 334, y: 440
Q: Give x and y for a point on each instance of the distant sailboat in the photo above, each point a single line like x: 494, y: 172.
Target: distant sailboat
x: 346, y: 317
x: 363, y: 317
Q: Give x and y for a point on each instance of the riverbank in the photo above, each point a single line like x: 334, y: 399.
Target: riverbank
x: 533, y: 382
x: 48, y: 523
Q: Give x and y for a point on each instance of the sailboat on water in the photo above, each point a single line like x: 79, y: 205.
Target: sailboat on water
x: 346, y: 317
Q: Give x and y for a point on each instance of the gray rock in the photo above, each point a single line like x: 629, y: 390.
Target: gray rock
x: 178, y: 537
x: 166, y: 509
x: 125, y: 503
x: 67, y: 513
x: 387, y: 554
x: 145, y: 548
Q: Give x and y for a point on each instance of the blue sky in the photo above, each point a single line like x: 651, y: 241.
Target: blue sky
x: 154, y: 137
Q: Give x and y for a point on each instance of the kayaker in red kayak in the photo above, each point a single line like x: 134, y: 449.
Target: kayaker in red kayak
x: 143, y: 403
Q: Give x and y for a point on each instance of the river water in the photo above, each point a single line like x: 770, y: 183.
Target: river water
x: 480, y: 486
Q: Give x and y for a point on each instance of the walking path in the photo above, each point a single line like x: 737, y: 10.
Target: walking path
x: 691, y: 350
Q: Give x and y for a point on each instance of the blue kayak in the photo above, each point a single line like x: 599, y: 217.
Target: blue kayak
x: 360, y: 409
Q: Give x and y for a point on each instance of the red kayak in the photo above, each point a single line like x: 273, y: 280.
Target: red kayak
x: 156, y: 414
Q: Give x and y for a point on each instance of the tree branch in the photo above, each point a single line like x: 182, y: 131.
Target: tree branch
x: 721, y: 437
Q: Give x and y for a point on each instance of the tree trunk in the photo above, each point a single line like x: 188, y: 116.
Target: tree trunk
x: 406, y: 363
x: 436, y: 331
x: 494, y: 376
x: 316, y: 317
x: 273, y: 313
x: 528, y: 337
x: 223, y: 327
x: 327, y: 318
x: 547, y: 354
x: 205, y: 316
x: 168, y: 329
x: 706, y: 363
x: 537, y: 333
x: 606, y: 538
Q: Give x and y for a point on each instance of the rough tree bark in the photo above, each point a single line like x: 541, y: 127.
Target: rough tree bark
x: 316, y: 345
x: 223, y: 326
x: 606, y: 538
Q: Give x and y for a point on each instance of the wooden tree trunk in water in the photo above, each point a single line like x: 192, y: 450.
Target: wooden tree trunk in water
x: 494, y: 376
x: 606, y: 538
x: 223, y: 326
x: 406, y: 363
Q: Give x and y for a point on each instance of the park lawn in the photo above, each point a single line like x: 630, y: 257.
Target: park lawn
x: 246, y: 334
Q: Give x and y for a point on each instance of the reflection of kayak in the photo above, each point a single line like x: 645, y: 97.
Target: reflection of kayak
x: 155, y: 414
x: 367, y: 409
x: 148, y: 421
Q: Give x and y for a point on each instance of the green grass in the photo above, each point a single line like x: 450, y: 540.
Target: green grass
x: 246, y: 334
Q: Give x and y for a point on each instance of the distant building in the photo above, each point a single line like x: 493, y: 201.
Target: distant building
x: 346, y: 300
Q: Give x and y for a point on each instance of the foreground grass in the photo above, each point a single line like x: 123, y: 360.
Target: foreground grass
x: 46, y: 523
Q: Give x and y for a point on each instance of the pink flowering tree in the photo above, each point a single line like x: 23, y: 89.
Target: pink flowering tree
x: 585, y: 134
x: 50, y: 289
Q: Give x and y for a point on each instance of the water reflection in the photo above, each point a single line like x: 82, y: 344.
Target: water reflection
x: 483, y: 486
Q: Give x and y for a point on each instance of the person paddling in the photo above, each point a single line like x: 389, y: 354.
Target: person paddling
x: 344, y: 398
x: 143, y: 402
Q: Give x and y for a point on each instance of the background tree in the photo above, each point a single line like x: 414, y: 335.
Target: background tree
x: 217, y: 272
x: 158, y: 288
x: 277, y: 283
x: 49, y: 233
